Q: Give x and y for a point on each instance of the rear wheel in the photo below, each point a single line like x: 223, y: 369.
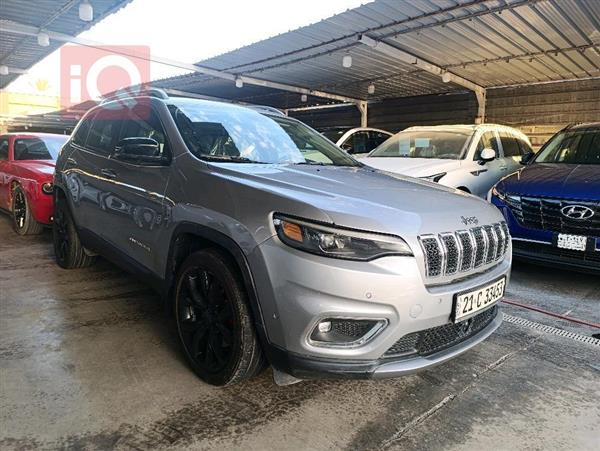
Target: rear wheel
x: 214, y: 322
x: 68, y: 251
x: 23, y: 220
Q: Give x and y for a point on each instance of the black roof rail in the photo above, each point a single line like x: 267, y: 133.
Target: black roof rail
x: 129, y: 93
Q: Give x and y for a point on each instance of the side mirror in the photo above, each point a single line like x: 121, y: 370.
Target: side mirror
x: 527, y: 157
x: 138, y: 150
x: 487, y: 154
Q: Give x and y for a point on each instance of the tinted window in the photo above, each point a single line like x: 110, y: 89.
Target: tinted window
x: 81, y: 133
x: 524, y: 146
x: 103, y: 132
x: 487, y: 141
x: 3, y: 148
x: 580, y: 146
x: 509, y: 145
x: 38, y: 148
x: 357, y: 143
x: 144, y: 123
x: 215, y: 132
x: 376, y: 138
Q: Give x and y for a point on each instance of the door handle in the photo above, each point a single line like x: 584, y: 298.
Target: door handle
x: 71, y: 160
x: 108, y: 173
x: 503, y: 168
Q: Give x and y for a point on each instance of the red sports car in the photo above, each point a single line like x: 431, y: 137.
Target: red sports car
x: 26, y: 171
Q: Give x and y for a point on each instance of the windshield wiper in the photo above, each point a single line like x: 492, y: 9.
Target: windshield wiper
x: 229, y: 159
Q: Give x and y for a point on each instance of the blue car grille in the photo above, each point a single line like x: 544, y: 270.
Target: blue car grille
x: 453, y: 253
x: 545, y: 214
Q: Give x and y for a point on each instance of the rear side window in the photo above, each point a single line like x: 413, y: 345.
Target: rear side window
x: 103, y: 133
x: 3, y: 148
x: 509, y: 145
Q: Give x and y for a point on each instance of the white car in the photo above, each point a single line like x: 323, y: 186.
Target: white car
x: 357, y: 141
x: 471, y: 158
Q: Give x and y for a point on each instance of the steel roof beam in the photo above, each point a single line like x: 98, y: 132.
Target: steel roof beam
x: 447, y: 77
x: 27, y: 30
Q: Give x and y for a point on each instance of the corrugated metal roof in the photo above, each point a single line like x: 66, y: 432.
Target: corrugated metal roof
x: 490, y: 42
x: 61, y: 16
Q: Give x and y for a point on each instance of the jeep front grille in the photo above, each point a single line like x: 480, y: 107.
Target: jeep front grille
x: 451, y: 253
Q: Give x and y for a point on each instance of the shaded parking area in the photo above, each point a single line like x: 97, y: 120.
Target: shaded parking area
x: 89, y: 361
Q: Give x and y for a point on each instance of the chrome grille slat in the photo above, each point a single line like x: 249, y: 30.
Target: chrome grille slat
x: 451, y: 253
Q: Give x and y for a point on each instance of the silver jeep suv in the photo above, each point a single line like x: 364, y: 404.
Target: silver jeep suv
x: 270, y: 244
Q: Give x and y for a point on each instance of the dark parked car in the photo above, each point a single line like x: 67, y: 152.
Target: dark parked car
x: 552, y: 205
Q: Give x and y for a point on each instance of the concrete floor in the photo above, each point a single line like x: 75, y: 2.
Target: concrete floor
x: 88, y: 361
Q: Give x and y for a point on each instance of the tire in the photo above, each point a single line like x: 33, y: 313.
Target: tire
x: 68, y: 251
x: 214, y: 324
x: 23, y: 221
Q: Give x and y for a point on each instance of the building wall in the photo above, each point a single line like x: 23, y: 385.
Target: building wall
x: 538, y: 110
x: 541, y: 110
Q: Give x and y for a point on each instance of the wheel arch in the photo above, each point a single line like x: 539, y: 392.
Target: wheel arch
x: 188, y: 238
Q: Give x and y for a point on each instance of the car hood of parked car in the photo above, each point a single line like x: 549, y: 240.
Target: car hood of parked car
x: 45, y: 167
x: 567, y: 181
x: 364, y: 198
x: 414, y: 167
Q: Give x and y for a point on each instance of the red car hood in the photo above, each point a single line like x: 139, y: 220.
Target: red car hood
x: 45, y: 167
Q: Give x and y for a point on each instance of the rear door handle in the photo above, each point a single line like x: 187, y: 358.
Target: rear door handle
x: 109, y: 173
x: 71, y: 160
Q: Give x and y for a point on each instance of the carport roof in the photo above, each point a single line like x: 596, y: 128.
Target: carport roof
x: 21, y: 52
x: 492, y: 43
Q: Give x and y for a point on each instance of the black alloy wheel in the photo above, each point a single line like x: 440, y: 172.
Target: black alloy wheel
x: 23, y: 220
x: 214, y: 322
x: 206, y: 320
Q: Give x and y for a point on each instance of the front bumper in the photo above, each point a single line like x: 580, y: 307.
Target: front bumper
x: 538, y: 246
x: 297, y: 290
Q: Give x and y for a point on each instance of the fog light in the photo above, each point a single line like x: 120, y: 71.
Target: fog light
x: 325, y: 326
x: 341, y: 332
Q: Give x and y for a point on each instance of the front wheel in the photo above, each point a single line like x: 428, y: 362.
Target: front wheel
x: 23, y: 220
x: 68, y: 251
x: 214, y: 322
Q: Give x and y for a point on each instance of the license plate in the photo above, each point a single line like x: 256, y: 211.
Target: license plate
x: 573, y: 242
x: 472, y: 302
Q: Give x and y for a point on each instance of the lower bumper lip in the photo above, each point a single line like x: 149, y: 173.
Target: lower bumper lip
x: 403, y: 367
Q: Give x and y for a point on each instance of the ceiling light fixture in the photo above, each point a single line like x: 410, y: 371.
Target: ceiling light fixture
x: 371, y: 88
x: 86, y: 11
x: 347, y: 61
x: 43, y: 39
x: 239, y: 83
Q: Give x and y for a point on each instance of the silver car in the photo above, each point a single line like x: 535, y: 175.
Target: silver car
x: 272, y: 245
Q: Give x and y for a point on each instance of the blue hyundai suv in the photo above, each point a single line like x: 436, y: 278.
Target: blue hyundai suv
x: 552, y: 205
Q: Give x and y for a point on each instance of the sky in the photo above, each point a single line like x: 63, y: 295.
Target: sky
x: 188, y: 31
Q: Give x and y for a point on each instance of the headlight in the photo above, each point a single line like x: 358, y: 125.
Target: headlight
x: 47, y: 188
x: 336, y: 242
x: 435, y: 177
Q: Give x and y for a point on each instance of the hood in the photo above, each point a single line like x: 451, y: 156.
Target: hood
x: 566, y: 181
x: 364, y: 198
x: 45, y: 167
x: 415, y: 167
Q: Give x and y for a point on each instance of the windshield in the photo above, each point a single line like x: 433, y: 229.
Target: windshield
x: 424, y: 144
x: 38, y: 148
x: 232, y: 134
x: 580, y: 146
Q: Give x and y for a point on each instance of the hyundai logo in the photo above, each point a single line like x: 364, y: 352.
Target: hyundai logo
x: 577, y: 212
